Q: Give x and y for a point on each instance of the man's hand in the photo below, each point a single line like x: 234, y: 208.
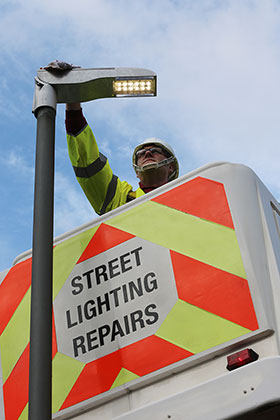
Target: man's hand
x: 63, y: 66
x: 59, y: 66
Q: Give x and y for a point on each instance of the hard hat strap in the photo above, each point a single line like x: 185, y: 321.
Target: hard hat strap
x: 154, y: 165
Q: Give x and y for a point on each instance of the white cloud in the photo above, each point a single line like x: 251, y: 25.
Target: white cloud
x: 15, y: 160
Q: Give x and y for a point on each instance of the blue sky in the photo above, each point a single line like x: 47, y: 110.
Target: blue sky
x: 218, y: 67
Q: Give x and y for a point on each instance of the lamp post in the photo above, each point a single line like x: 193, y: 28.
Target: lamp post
x: 77, y: 85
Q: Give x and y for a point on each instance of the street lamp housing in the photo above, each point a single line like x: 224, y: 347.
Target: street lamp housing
x: 83, y: 85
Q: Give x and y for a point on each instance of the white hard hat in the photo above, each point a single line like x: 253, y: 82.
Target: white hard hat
x: 165, y: 146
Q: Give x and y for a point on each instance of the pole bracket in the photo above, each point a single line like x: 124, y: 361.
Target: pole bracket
x: 44, y: 95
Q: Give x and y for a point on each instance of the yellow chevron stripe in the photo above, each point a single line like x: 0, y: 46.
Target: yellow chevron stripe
x: 123, y: 377
x: 15, y: 337
x: 24, y: 414
x: 197, y: 238
x: 197, y: 330
x: 66, y: 254
x: 65, y: 373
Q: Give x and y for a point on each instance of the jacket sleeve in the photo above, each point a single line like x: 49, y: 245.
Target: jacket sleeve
x: 103, y: 189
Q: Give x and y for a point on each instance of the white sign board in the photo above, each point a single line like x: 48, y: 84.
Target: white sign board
x: 114, y: 299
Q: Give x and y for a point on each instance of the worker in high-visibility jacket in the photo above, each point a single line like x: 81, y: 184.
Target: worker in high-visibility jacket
x: 153, y: 160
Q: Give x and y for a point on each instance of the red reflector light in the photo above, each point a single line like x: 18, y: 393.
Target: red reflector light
x: 241, y: 358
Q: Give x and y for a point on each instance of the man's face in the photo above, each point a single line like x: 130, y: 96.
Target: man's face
x: 154, y: 176
x: 150, y: 154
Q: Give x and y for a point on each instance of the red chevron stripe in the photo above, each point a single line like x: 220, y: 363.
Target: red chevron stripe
x: 15, y: 388
x: 200, y: 197
x: 54, y: 341
x: 140, y: 358
x: 105, y: 237
x: 150, y: 354
x: 95, y: 378
x: 12, y: 290
x: 214, y: 290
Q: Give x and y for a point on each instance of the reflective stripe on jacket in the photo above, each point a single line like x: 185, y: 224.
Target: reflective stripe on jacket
x: 103, y: 189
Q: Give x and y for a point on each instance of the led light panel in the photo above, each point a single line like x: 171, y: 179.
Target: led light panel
x: 134, y: 87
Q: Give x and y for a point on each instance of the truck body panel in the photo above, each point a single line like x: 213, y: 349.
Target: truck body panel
x: 150, y: 299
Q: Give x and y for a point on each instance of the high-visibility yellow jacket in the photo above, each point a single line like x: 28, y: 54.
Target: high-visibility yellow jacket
x: 103, y: 189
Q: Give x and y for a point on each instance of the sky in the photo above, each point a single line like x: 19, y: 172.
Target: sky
x: 218, y: 68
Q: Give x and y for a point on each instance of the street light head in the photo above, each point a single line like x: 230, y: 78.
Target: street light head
x: 123, y: 86
x: 82, y: 85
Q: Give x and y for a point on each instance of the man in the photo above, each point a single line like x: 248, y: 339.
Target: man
x: 153, y: 160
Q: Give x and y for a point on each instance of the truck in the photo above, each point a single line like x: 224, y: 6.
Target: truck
x: 165, y: 308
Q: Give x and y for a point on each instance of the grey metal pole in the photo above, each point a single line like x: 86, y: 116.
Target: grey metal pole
x: 52, y: 88
x: 40, y: 372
